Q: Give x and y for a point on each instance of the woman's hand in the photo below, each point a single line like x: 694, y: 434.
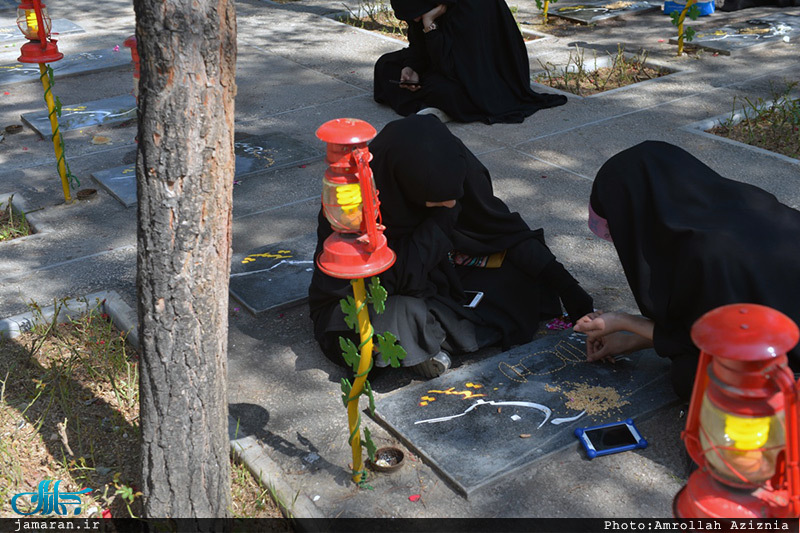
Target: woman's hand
x: 433, y: 14
x: 409, y: 74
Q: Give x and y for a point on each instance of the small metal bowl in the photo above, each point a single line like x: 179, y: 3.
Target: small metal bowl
x: 387, y: 459
x: 85, y: 194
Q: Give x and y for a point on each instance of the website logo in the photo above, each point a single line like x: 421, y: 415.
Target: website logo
x: 47, y: 502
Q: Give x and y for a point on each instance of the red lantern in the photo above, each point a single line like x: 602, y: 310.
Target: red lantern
x: 742, y: 427
x: 130, y: 42
x: 35, y: 24
x: 358, y: 248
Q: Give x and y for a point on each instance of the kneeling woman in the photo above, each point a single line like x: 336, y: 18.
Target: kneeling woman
x: 451, y: 235
x: 689, y: 241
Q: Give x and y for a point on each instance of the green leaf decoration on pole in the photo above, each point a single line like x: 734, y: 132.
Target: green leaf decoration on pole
x: 350, y: 353
x: 391, y: 352
x: 369, y: 445
x: 377, y: 295
x: 350, y: 311
x: 346, y: 387
x: 368, y: 392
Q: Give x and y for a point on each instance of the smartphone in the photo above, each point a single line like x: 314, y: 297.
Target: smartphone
x: 401, y: 82
x: 474, y: 297
x: 610, y: 438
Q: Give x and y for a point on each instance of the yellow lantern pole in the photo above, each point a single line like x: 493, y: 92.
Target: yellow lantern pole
x: 681, y: 19
x: 58, y: 141
x: 365, y: 363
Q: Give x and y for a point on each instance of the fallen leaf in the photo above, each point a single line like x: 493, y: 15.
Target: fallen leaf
x: 414, y: 497
x: 525, y: 435
x: 99, y: 139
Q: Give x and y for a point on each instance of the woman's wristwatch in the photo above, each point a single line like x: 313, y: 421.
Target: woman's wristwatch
x: 432, y: 26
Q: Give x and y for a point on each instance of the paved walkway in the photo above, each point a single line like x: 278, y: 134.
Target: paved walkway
x: 298, y: 69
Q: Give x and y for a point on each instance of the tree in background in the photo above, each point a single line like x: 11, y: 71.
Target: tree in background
x: 184, y: 175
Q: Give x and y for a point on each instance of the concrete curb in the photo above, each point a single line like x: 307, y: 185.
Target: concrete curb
x: 249, y: 450
x: 700, y: 127
x: 21, y: 207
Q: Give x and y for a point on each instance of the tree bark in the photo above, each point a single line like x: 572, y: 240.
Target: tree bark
x: 184, y: 175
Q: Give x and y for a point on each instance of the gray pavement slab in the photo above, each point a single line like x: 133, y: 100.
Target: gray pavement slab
x: 85, y: 115
x: 274, y: 276
x: 70, y: 64
x: 479, y: 423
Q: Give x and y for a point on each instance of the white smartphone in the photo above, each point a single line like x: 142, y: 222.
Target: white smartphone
x: 475, y: 298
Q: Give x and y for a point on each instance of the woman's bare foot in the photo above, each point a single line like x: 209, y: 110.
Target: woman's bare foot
x: 613, y: 344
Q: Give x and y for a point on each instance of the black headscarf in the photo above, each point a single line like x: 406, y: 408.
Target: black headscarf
x: 690, y: 240
x: 478, y: 47
x: 417, y: 160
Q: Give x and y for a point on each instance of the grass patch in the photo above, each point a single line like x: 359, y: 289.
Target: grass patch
x: 377, y: 16
x: 773, y: 125
x: 580, y: 77
x: 69, y: 411
x: 12, y: 224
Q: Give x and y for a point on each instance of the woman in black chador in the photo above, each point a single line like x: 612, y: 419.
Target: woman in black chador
x: 689, y: 241
x: 464, y: 57
x: 451, y: 235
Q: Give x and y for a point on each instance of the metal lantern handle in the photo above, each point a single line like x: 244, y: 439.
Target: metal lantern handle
x: 364, y: 173
x: 37, y: 5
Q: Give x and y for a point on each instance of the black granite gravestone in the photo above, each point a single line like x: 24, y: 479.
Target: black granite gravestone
x: 776, y: 28
x: 591, y: 12
x: 273, y: 150
x: 273, y: 276
x: 484, y: 420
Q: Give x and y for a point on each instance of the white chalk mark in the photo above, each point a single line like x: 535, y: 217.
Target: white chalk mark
x: 543, y: 408
x: 558, y: 421
x: 281, y: 262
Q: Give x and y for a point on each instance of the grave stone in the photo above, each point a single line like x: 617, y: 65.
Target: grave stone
x: 120, y: 182
x: 253, y: 154
x: 108, y: 111
x: 273, y: 150
x: 9, y: 32
x: 482, y: 421
x: 273, y: 276
x: 762, y: 31
x: 591, y: 12
x: 78, y: 63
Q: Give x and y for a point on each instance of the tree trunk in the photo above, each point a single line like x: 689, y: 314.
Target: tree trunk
x: 184, y: 175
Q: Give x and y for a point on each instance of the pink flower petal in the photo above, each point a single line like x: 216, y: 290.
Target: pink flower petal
x: 414, y: 497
